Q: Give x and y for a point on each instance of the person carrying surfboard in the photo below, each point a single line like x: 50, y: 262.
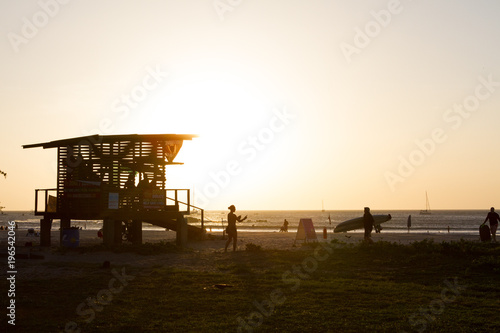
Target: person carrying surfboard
x: 368, y: 221
x: 494, y: 218
x: 231, y: 227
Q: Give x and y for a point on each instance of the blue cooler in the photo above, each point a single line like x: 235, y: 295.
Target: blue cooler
x: 71, y: 237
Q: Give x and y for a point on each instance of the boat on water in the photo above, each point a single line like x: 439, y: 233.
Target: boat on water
x: 427, y: 210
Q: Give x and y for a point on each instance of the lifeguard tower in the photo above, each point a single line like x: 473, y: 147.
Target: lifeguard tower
x: 119, y: 179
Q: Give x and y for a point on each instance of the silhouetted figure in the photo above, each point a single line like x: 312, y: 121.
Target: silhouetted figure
x: 86, y: 172
x: 368, y: 222
x: 231, y: 227
x: 130, y: 183
x: 144, y: 185
x: 284, y: 228
x: 493, y: 218
x: 144, y: 182
x: 409, y: 223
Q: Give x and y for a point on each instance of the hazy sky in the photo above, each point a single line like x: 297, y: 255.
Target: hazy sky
x: 354, y: 103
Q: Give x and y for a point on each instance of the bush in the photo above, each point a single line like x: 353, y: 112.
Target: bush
x: 251, y: 247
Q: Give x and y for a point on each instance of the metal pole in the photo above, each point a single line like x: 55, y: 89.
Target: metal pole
x: 36, y: 201
x: 202, y: 222
x: 46, y: 200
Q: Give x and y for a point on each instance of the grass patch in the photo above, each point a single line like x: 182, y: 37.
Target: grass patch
x: 384, y: 286
x: 251, y: 247
x: 143, y: 249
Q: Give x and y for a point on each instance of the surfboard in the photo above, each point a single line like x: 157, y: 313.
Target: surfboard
x: 357, y: 223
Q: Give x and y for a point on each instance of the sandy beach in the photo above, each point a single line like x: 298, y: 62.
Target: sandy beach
x: 198, y: 255
x: 267, y: 240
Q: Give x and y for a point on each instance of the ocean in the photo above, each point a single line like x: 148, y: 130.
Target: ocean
x: 458, y: 221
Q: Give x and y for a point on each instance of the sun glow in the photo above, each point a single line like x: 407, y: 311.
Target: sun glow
x: 221, y: 109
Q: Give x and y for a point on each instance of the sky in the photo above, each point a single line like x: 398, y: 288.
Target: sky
x: 296, y: 104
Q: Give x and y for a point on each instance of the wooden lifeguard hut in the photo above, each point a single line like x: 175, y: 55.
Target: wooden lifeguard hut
x: 119, y: 179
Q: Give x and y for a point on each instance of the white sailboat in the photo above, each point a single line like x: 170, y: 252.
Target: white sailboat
x: 427, y: 210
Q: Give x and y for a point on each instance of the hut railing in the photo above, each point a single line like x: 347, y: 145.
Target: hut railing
x: 177, y: 193
x: 178, y: 200
x: 189, y: 206
x: 139, y: 199
x: 47, y: 207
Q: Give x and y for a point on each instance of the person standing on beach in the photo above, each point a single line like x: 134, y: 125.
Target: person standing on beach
x: 494, y: 218
x: 368, y: 221
x: 231, y: 227
x: 284, y: 228
x: 408, y: 224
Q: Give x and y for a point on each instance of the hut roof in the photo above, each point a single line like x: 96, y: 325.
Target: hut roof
x: 112, y: 138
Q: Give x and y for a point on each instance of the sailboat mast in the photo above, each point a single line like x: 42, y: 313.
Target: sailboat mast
x: 427, y: 205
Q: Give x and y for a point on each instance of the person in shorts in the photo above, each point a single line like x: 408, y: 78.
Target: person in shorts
x: 232, y: 233
x: 493, y: 218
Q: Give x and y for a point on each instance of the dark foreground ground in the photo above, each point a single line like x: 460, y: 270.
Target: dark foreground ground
x: 320, y: 287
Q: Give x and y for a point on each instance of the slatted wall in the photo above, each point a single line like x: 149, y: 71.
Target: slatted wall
x: 87, y: 171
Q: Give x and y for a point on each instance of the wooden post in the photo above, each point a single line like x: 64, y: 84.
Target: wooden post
x: 203, y: 221
x: 136, y: 232
x: 46, y: 201
x: 65, y: 223
x: 181, y: 237
x: 108, y: 235
x: 117, y: 232
x: 36, y: 202
x: 45, y: 226
x: 112, y: 232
